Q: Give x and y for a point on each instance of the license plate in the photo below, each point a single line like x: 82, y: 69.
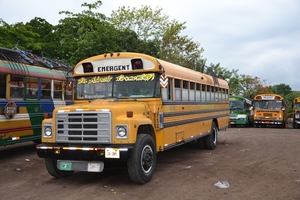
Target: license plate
x: 112, y: 153
x: 231, y: 122
x: 66, y: 166
x: 93, y: 167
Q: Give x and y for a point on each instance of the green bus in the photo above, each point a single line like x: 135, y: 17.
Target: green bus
x: 241, y: 112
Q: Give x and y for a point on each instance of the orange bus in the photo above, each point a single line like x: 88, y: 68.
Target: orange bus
x: 128, y: 107
x: 269, y: 110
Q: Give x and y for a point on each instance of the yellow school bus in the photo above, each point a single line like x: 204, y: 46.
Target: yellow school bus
x: 269, y: 110
x: 296, y: 112
x: 128, y: 107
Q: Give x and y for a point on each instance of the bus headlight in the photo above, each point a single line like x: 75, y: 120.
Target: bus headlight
x: 121, y: 132
x: 47, y: 131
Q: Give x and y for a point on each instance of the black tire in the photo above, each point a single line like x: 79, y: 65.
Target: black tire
x: 212, y: 139
x: 51, y: 166
x: 201, y: 143
x: 142, y: 162
x: 38, y: 141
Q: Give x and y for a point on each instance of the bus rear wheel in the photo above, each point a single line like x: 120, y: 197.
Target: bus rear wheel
x: 212, y: 138
x: 51, y: 166
x: 141, y: 164
x: 201, y: 143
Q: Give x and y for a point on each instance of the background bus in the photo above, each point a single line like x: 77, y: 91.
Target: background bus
x: 129, y: 106
x: 269, y: 109
x: 241, y: 112
x: 296, y: 112
x: 28, y: 94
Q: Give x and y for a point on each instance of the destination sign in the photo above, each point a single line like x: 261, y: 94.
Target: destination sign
x: 114, y: 68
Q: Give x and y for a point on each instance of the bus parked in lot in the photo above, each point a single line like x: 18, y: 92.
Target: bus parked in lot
x: 128, y: 107
x: 269, y: 109
x: 28, y: 94
x: 241, y: 112
x: 296, y: 113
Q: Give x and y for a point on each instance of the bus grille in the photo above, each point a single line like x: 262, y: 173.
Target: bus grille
x: 83, y: 127
x: 268, y: 114
x: 233, y: 115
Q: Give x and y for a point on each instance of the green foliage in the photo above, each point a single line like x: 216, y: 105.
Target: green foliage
x: 248, y: 86
x: 16, y: 33
x: 145, y: 22
x: 289, y: 98
x: 85, y: 34
x: 281, y: 89
x: 161, y: 34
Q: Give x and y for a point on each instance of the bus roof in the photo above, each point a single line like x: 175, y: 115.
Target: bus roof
x: 21, y: 69
x: 267, y: 97
x: 151, y: 63
x: 238, y: 98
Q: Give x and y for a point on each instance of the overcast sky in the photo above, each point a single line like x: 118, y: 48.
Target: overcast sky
x: 258, y: 37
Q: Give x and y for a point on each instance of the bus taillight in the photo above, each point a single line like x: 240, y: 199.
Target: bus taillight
x: 87, y: 67
x: 137, y: 64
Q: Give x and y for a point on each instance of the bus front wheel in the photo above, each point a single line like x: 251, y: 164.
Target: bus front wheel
x: 51, y: 166
x: 141, y: 164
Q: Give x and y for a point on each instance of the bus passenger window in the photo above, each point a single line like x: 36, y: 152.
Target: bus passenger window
x: 2, y: 85
x: 32, y: 88
x: 16, y: 92
x: 68, y: 94
x: 46, y: 90
x: 16, y: 87
x: 57, y: 90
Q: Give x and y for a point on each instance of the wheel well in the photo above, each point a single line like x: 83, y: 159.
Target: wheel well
x: 216, y: 122
x: 147, y: 129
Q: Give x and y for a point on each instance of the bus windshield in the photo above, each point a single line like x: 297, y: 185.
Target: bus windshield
x: 144, y: 85
x: 297, y: 106
x: 237, y: 105
x: 271, y: 104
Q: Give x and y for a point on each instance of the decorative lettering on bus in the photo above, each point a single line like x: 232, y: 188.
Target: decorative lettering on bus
x: 96, y: 79
x: 113, y: 68
x: 141, y: 77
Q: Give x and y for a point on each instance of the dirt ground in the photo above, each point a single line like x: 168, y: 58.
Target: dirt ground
x: 258, y: 163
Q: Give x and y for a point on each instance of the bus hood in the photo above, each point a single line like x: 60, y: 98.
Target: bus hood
x: 112, y: 105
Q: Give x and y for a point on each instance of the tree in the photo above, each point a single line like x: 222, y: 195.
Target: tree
x: 145, y: 22
x: 16, y: 33
x: 251, y: 86
x: 45, y: 41
x: 153, y: 27
x: 289, y: 98
x: 281, y: 89
x: 86, y: 34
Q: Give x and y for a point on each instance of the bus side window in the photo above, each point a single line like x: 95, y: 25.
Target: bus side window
x: 32, y: 88
x: 46, y: 89
x: 17, y: 87
x: 2, y: 85
x: 57, y: 90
